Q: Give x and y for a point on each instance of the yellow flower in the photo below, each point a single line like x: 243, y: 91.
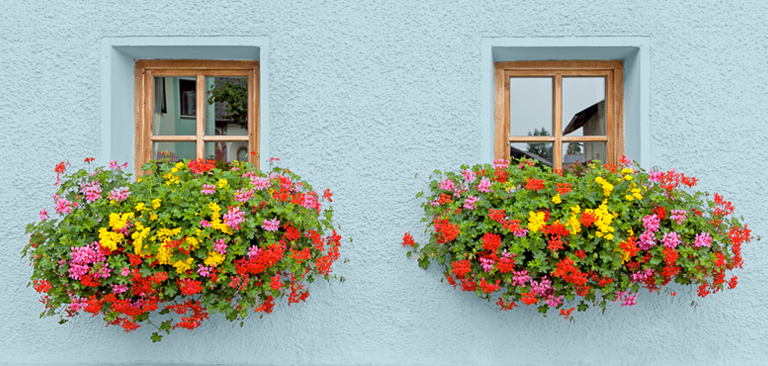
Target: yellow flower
x: 138, y: 237
x: 535, y: 221
x: 139, y: 206
x: 222, y: 183
x: 556, y: 199
x: 118, y: 221
x: 607, y: 187
x: 155, y: 203
x: 153, y: 217
x: 183, y: 266
x: 214, y: 258
x: 110, y: 239
x: 628, y: 177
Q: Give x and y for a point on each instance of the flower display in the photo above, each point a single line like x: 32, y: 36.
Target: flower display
x: 575, y: 239
x: 178, y: 244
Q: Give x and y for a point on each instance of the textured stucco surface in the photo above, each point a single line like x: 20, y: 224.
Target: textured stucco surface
x: 362, y: 96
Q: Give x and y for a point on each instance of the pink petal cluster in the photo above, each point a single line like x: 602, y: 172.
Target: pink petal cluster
x: 487, y: 264
x: 446, y: 185
x: 500, y: 163
x: 77, y: 304
x: 208, y: 189
x: 703, y: 240
x: 243, y: 195
x: 520, y: 278
x: 671, y: 239
x: 485, y: 185
x: 520, y: 232
x: 220, y: 246
x: 253, y: 251
x: 234, y: 217
x: 43, y: 215
x: 203, y: 271
x: 678, y: 215
x: 655, y: 176
x: 642, y: 275
x: 469, y: 203
x: 542, y: 288
x: 469, y: 176
x: 626, y: 298
x: 554, y: 301
x: 119, y: 194
x: 119, y: 289
x: 311, y: 202
x: 651, y: 222
x: 647, y: 240
x: 260, y: 183
x: 63, y: 206
x: 84, y: 257
x: 271, y: 225
x: 91, y: 191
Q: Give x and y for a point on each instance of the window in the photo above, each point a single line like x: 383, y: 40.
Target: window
x: 188, y: 109
x: 559, y: 112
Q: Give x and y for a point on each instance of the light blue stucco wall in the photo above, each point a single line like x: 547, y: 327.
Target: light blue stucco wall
x: 362, y: 95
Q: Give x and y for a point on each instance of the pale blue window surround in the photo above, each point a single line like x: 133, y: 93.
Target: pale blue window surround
x: 117, y: 57
x: 634, y: 51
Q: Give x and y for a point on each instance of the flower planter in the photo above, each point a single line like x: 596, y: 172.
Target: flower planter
x: 186, y: 240
x: 551, y: 239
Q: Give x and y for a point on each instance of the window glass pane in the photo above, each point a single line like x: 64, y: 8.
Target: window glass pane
x: 173, y: 151
x: 226, y: 109
x: 584, y: 106
x: 227, y: 151
x: 580, y: 152
x: 173, y: 111
x: 530, y: 106
x: 541, y: 151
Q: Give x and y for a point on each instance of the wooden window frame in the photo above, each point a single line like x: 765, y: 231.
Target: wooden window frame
x: 612, y: 70
x: 144, y: 73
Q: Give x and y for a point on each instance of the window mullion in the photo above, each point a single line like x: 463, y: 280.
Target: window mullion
x: 200, y: 151
x: 609, y: 119
x: 557, y: 155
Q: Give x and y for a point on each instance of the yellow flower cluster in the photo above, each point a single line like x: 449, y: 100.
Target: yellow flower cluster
x: 556, y: 199
x: 634, y: 193
x: 603, y: 222
x: 183, y: 266
x: 173, y: 179
x: 607, y: 187
x: 164, y: 236
x: 535, y: 221
x: 138, y: 237
x: 222, y: 183
x: 118, y: 221
x: 624, y: 255
x: 110, y: 239
x: 626, y: 172
x: 214, y: 258
x: 216, y: 223
x: 573, y: 224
